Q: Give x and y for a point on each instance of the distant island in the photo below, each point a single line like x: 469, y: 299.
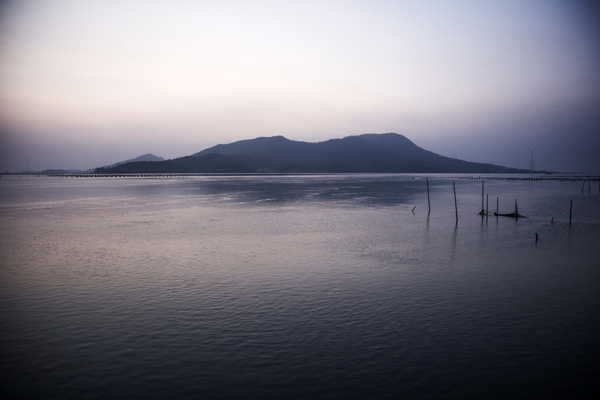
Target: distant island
x: 142, y: 158
x: 374, y: 153
x: 145, y: 157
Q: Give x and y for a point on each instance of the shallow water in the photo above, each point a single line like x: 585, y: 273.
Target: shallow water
x: 296, y: 286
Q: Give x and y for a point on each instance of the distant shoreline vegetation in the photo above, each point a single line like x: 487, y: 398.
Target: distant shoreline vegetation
x: 368, y: 153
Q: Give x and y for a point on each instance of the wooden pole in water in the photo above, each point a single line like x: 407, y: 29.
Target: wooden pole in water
x: 571, y: 212
x: 455, y: 204
x: 482, y: 198
x: 487, y: 205
x: 428, y: 202
x: 497, y: 205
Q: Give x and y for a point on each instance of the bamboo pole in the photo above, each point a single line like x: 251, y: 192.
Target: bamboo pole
x: 487, y: 206
x: 571, y: 212
x: 428, y: 202
x: 497, y: 201
x: 482, y: 198
x: 455, y: 204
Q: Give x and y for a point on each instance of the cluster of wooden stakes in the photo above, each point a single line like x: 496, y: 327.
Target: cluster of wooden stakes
x: 485, y: 210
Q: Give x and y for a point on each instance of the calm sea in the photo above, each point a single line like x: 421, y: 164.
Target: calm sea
x: 319, y: 286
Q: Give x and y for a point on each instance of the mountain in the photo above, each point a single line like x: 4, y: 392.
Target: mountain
x: 145, y: 157
x: 388, y: 152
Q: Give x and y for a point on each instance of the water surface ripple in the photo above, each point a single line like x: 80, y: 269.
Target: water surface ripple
x: 332, y: 286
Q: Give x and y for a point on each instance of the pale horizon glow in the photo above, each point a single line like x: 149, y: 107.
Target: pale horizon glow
x: 86, y: 83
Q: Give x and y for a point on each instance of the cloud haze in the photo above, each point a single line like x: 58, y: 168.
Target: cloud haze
x: 89, y: 83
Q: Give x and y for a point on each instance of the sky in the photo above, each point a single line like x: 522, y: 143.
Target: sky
x: 88, y: 83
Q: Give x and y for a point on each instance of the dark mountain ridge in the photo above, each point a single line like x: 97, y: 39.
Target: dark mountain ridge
x: 388, y: 152
x: 144, y: 157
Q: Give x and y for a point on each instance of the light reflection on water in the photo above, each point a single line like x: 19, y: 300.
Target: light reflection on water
x: 295, y: 286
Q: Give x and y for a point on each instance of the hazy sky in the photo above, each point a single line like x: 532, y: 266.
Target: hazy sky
x: 89, y: 83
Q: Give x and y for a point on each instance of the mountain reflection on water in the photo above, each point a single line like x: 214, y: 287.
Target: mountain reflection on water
x: 360, y: 189
x: 296, y: 286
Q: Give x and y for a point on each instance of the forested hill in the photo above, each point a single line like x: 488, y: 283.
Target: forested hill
x: 388, y: 152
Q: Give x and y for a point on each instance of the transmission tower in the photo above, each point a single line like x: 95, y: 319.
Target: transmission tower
x: 531, y: 164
